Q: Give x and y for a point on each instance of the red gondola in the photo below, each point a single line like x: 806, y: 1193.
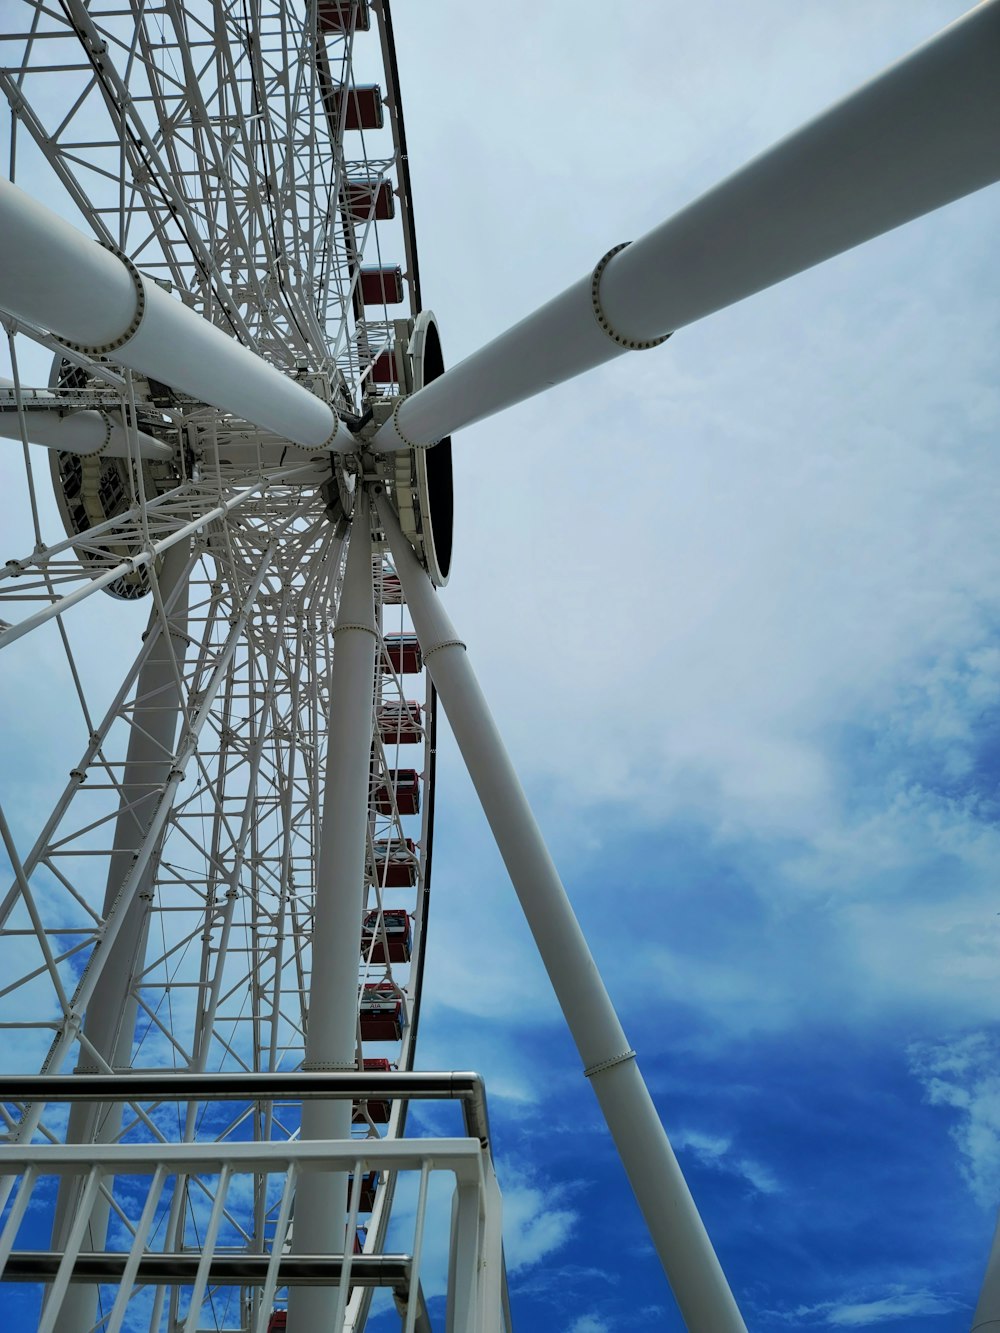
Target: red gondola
x: 367, y: 199
x: 364, y: 107
x: 405, y: 786
x: 381, y: 1012
x: 383, y: 370
x: 399, y: 723
x: 396, y: 863
x: 398, y: 935
x: 368, y: 1182
x: 382, y: 286
x: 403, y: 652
x: 377, y: 1111
x: 343, y: 15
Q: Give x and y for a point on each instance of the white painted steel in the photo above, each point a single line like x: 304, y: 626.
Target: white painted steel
x: 195, y: 138
x: 331, y: 1035
x: 57, y: 278
x: 109, y: 1022
x: 117, y: 916
x: 478, y: 1209
x: 459, y: 1155
x: 920, y: 135
x: 987, y: 1316
x: 84, y: 432
x: 139, y: 1244
x: 677, y: 1231
x: 146, y: 557
x: 475, y: 1266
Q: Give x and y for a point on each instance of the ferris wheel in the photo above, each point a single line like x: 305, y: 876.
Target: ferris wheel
x: 228, y: 411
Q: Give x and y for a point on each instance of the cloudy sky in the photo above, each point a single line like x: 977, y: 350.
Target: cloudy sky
x: 734, y: 603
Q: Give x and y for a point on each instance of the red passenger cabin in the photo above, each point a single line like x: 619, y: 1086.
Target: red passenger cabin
x: 343, y: 15
x: 377, y: 1111
x: 368, y: 1182
x: 398, y: 935
x: 382, y: 286
x: 370, y: 198
x: 364, y: 107
x: 278, y: 1322
x: 381, y: 1012
x: 399, y: 723
x: 403, y: 652
x: 405, y: 785
x: 396, y: 863
x: 383, y: 369
x: 391, y: 589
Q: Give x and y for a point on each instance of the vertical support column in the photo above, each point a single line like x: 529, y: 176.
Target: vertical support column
x: 331, y: 1037
x: 109, y: 1024
x: 675, y: 1226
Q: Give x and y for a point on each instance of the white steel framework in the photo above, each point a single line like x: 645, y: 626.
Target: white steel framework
x: 215, y: 327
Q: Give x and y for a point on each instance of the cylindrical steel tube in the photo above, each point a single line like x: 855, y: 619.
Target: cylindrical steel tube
x: 918, y: 136
x: 331, y: 1036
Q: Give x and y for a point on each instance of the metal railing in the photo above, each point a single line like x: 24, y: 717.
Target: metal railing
x: 244, y: 1239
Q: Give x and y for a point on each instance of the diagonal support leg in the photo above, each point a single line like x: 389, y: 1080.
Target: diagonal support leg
x: 987, y: 1316
x: 677, y: 1231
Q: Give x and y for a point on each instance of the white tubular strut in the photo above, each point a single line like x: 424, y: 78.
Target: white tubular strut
x: 55, y: 277
x: 331, y: 1036
x: 677, y: 1231
x: 918, y: 136
x: 987, y: 1316
x: 86, y: 432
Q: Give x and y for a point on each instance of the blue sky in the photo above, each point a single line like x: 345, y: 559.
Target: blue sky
x: 734, y: 603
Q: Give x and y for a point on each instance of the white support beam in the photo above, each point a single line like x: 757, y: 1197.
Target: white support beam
x: 331, y: 1035
x: 987, y: 1316
x: 918, y: 136
x: 56, y: 278
x: 677, y: 1231
x: 84, y: 432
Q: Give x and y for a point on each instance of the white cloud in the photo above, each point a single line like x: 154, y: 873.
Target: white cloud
x: 716, y: 1152
x: 588, y: 1323
x: 962, y: 1074
x: 535, y: 1222
x: 898, y: 1303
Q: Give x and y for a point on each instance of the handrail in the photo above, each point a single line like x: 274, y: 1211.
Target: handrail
x: 460, y: 1085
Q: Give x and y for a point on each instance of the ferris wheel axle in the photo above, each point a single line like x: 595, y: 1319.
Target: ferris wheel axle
x: 918, y: 136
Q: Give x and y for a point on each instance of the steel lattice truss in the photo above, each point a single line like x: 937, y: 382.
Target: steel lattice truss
x: 243, y: 454
x: 229, y: 824
x: 206, y: 142
x: 225, y: 977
